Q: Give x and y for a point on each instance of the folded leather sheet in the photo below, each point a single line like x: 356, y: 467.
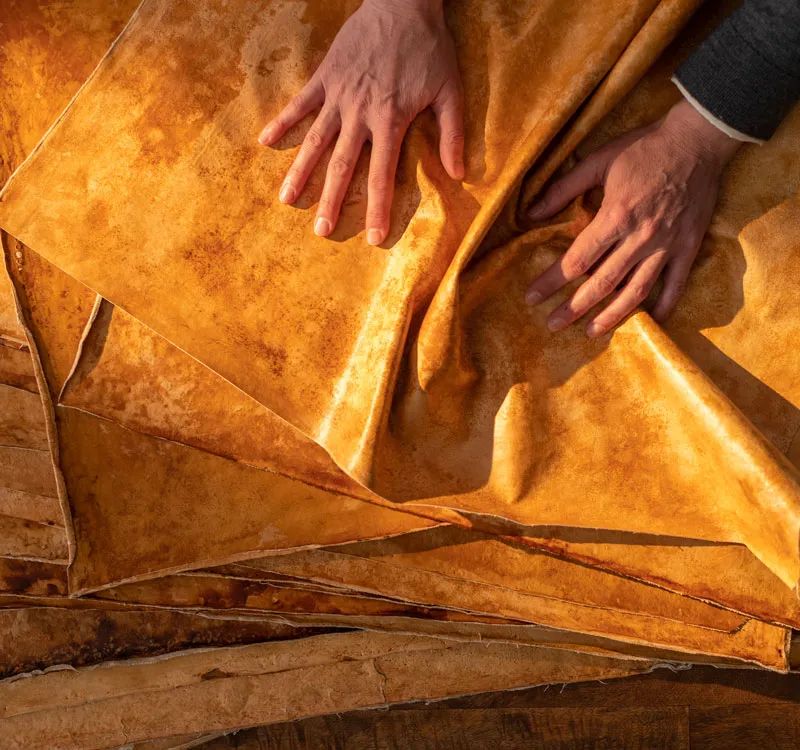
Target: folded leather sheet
x: 37, y: 638
x: 116, y: 372
x: 465, y: 432
x: 226, y: 689
x: 228, y: 510
x: 16, y: 368
x: 470, y: 556
x: 713, y: 631
x: 32, y: 578
x: 11, y: 334
x: 419, y: 602
x: 191, y: 433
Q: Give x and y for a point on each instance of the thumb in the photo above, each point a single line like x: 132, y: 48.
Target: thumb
x: 587, y: 174
x: 449, y: 112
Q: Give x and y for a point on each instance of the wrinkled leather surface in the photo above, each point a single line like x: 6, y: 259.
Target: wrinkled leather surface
x: 274, y: 681
x: 490, y: 414
x: 203, y: 487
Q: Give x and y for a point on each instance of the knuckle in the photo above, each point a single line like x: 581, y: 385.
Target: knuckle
x: 327, y: 205
x: 639, y: 292
x: 378, y: 183
x: 389, y: 116
x: 314, y: 139
x: 553, y: 193
x: 604, y: 284
x: 677, y: 289
x: 575, y: 266
x: 618, y: 217
x: 455, y: 139
x: 339, y: 166
x: 648, y: 231
x: 378, y: 217
x: 297, y: 104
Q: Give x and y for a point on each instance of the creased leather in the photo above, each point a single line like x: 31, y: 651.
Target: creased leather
x: 42, y: 637
x: 500, y: 420
x: 273, y: 682
x: 122, y: 477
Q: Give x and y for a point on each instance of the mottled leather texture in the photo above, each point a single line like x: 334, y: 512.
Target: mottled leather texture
x: 219, y: 429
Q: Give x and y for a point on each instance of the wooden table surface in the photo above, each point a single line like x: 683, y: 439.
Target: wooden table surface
x: 698, y: 708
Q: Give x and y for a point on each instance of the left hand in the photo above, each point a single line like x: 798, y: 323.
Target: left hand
x: 391, y: 60
x: 660, y: 187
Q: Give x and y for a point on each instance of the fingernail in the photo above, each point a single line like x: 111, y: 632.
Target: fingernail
x: 267, y: 135
x: 374, y: 236
x: 459, y: 170
x: 556, y: 324
x: 322, y: 227
x: 288, y: 193
x: 535, y: 212
x: 533, y: 298
x: 593, y: 330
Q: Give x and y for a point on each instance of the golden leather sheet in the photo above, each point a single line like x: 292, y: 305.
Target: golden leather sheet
x: 30, y: 540
x: 225, y: 510
x: 27, y: 470
x: 489, y: 413
x: 418, y: 602
x: 57, y: 310
x: 22, y: 422
x: 724, y: 574
x: 271, y: 682
x: 627, y: 617
x: 32, y: 578
x: 130, y: 375
x: 16, y: 368
x: 41, y: 637
x: 198, y: 591
x: 11, y: 334
x: 452, y: 557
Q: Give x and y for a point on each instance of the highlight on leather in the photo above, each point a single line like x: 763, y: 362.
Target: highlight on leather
x: 218, y: 429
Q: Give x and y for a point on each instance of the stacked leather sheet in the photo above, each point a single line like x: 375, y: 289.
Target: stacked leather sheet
x: 249, y: 475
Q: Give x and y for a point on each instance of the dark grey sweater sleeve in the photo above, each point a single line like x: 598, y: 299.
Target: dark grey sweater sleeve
x: 747, y: 73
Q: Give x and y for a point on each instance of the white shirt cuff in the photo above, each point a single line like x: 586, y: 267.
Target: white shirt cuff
x: 715, y: 121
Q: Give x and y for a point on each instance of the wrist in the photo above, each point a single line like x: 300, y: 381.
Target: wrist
x: 688, y: 129
x: 430, y: 9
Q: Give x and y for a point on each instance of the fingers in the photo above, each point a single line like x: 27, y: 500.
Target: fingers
x: 448, y: 109
x: 632, y: 295
x: 318, y: 138
x: 587, y: 174
x: 600, y: 284
x: 590, y: 244
x: 340, y: 172
x: 311, y: 97
x: 675, y: 279
x: 380, y: 188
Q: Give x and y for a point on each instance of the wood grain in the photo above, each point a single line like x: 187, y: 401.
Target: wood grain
x: 701, y: 708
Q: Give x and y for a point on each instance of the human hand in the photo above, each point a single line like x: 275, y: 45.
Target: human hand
x: 660, y: 187
x: 390, y: 60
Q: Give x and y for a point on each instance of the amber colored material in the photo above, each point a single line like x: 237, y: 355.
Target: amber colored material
x: 227, y: 689
x: 246, y: 386
x: 488, y: 413
x: 42, y: 637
